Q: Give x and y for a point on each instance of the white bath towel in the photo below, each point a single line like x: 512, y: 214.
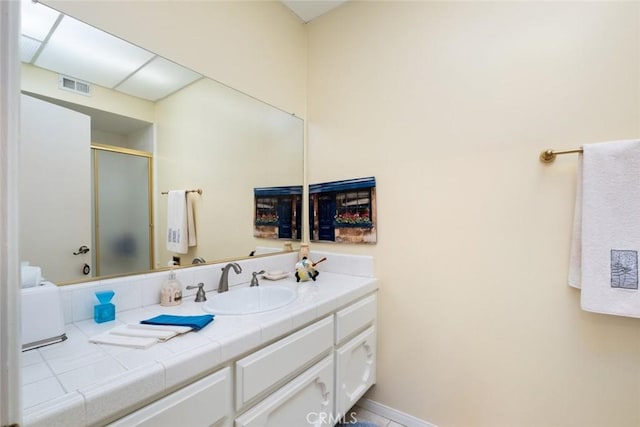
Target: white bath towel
x: 606, y: 240
x: 122, y: 341
x: 191, y: 220
x: 138, y: 335
x: 159, y: 335
x: 177, y: 231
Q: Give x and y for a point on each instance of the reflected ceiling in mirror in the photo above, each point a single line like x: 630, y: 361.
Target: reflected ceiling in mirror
x: 70, y: 47
x: 198, y: 132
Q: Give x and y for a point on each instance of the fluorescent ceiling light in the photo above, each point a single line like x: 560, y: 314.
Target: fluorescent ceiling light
x: 70, y: 47
x: 79, y: 50
x: 158, y: 79
x: 28, y: 48
x: 37, y: 20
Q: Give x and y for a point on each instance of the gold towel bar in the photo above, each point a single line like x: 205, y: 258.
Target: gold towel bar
x: 548, y: 156
x: 199, y: 191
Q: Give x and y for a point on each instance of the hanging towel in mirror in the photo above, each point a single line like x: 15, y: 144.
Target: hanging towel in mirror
x: 191, y: 220
x: 606, y: 240
x: 177, y: 231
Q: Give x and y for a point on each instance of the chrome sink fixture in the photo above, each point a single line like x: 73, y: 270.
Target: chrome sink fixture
x: 223, y: 285
x: 250, y: 300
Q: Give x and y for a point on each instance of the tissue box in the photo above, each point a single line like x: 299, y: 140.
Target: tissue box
x: 31, y: 276
x: 42, y: 316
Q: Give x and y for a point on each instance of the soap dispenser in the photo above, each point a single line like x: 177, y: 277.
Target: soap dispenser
x: 171, y: 291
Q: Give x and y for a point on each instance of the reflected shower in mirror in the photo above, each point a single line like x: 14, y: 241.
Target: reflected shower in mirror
x: 86, y: 112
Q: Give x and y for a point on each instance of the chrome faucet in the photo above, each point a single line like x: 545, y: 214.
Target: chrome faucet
x: 200, y: 295
x: 254, y: 279
x: 223, y: 286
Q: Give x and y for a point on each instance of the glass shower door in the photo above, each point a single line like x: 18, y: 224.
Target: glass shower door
x: 122, y: 211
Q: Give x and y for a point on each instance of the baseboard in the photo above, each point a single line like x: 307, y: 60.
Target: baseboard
x: 392, y: 414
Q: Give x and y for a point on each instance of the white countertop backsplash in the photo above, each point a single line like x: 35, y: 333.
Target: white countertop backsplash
x: 77, y: 383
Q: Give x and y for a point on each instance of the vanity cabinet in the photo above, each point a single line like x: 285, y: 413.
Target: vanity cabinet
x: 355, y: 353
x: 310, y: 377
x: 206, y: 402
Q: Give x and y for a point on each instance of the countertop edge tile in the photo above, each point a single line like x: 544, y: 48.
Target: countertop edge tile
x: 65, y: 411
x: 274, y: 328
x: 111, y: 400
x: 303, y: 315
x: 233, y: 346
x: 357, y: 293
x: 187, y: 366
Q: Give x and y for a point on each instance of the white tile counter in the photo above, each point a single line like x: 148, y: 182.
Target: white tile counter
x: 77, y: 383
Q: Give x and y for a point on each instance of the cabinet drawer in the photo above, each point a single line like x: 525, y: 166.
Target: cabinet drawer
x: 307, y: 400
x: 277, y: 362
x: 355, y: 369
x: 204, y: 403
x: 355, y: 317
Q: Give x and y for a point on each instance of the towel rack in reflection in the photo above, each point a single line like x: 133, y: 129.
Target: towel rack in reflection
x: 548, y: 156
x: 199, y: 191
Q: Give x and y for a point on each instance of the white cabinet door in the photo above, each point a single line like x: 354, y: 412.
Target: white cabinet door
x: 260, y: 371
x: 206, y: 402
x: 355, y: 369
x: 305, y: 401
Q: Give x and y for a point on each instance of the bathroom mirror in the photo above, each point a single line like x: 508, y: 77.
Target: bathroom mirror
x: 204, y: 136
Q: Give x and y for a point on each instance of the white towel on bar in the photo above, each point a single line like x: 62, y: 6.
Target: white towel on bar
x: 191, y: 220
x: 606, y: 239
x: 177, y: 231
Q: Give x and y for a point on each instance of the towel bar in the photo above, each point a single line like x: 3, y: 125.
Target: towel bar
x: 199, y: 191
x: 548, y: 156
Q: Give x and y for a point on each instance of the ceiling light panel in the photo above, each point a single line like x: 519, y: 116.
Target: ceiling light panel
x: 157, y: 79
x: 28, y: 48
x: 36, y: 19
x: 79, y: 50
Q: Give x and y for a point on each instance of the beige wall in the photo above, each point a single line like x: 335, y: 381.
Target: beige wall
x: 257, y: 47
x: 211, y: 137
x: 44, y: 82
x: 448, y: 105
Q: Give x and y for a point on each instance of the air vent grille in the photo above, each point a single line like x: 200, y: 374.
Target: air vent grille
x: 74, y: 85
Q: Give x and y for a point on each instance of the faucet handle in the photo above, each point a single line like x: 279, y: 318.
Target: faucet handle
x: 254, y: 278
x: 200, y: 295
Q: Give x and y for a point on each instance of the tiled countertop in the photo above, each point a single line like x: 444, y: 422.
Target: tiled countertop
x: 77, y: 383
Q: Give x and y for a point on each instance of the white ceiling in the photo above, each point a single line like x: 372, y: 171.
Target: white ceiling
x: 69, y: 47
x: 308, y: 10
x: 72, y: 48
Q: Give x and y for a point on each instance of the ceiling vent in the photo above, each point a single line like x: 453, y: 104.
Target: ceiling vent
x: 74, y: 85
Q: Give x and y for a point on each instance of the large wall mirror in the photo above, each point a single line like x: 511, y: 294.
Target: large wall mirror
x: 108, y: 127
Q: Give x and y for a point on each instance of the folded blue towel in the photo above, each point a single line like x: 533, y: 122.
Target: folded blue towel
x: 196, y: 322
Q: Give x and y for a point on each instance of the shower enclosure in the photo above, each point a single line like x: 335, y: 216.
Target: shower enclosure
x: 122, y: 210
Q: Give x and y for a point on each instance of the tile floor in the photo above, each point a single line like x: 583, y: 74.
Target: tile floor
x: 368, y: 416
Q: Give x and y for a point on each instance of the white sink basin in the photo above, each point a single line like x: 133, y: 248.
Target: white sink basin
x: 250, y: 300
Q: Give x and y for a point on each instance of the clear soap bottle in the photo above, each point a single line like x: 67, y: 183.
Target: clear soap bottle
x: 171, y: 291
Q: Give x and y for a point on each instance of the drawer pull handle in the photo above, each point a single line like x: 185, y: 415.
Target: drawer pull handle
x: 324, y: 391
